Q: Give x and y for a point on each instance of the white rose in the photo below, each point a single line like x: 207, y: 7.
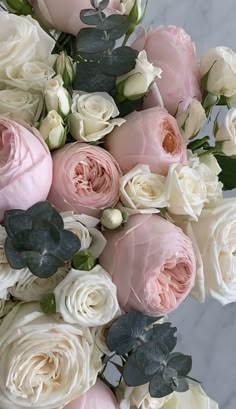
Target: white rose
x: 137, y: 82
x: 139, y: 398
x: 29, y: 76
x: 100, y: 337
x: 227, y: 133
x: 22, y: 40
x: 92, y: 116
x: 88, y: 299
x: 186, y: 190
x: 57, y: 98
x: 213, y: 186
x: 32, y: 288
x: 6, y: 306
x: 65, y: 66
x: 8, y: 278
x: 84, y: 227
x: 191, y: 117
x: 211, y: 162
x: 218, y: 248
x: 21, y: 105
x: 53, y: 131
x: 128, y: 9
x: 141, y: 189
x: 195, y: 398
x: 45, y: 363
x: 111, y: 218
x: 220, y: 64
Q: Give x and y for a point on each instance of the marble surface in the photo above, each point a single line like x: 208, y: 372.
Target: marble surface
x: 206, y: 331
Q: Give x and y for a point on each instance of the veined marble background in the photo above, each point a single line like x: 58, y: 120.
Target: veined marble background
x: 206, y: 331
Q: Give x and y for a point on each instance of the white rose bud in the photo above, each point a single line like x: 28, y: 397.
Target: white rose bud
x: 219, y: 65
x: 227, y: 133
x: 57, y: 98
x: 191, y: 117
x: 133, y: 9
x: 112, y: 219
x: 53, y: 131
x: 65, y: 67
x: 137, y: 82
x: 92, y: 116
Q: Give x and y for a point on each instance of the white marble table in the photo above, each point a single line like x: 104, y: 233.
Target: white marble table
x: 206, y: 331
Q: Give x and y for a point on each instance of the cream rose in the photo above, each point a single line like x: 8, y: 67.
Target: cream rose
x: 138, y: 81
x: 87, y: 299
x: 220, y: 64
x: 191, y: 117
x: 29, y: 76
x: 140, y: 189
x: 22, y: 40
x: 45, y: 363
x: 209, y: 172
x: 139, y: 398
x: 195, y: 398
x: 93, y: 116
x: 57, y: 98
x: 53, y: 131
x: 227, y: 133
x: 21, y: 105
x: 8, y: 278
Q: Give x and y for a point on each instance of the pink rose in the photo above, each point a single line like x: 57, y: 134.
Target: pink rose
x: 85, y: 179
x: 152, y: 263
x: 64, y: 15
x: 172, y: 49
x: 98, y: 397
x: 25, y: 166
x: 150, y: 137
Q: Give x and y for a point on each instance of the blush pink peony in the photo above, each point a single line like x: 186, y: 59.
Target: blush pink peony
x: 172, y: 49
x: 98, y: 397
x: 25, y: 166
x: 152, y: 263
x: 64, y: 15
x: 85, y: 179
x: 150, y: 137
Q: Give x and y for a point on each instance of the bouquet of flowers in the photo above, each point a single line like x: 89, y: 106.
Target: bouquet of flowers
x: 111, y: 203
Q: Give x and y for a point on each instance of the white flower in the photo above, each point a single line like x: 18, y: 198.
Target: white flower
x: 195, y: 398
x: 139, y: 398
x: 220, y: 64
x: 6, y: 306
x: 111, y: 218
x: 92, y: 116
x: 227, y: 133
x: 22, y: 40
x: 100, y: 337
x: 87, y: 298
x: 29, y: 76
x: 65, y: 67
x: 57, y: 98
x: 128, y: 8
x: 21, y: 105
x: 137, y: 82
x: 141, y: 189
x: 53, y: 131
x: 45, y: 363
x: 215, y: 239
x: 84, y: 227
x: 186, y: 190
x: 32, y: 288
x: 209, y: 174
x: 8, y: 278
x: 191, y: 117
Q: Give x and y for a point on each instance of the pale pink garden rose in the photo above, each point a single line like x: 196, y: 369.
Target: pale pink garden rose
x: 64, y: 15
x: 152, y: 263
x: 150, y: 137
x: 85, y: 179
x: 98, y: 397
x: 171, y: 49
x: 25, y: 166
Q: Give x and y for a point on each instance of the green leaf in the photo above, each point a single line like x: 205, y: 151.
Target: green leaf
x: 228, y: 174
x: 181, y: 363
x: 15, y: 221
x: 84, y: 261
x: 91, y: 40
x: 150, y: 357
x: 119, y: 62
x: 91, y: 17
x: 89, y: 78
x: 182, y: 385
x: 158, y: 388
x: 43, y: 238
x: 41, y: 265
x: 199, y: 143
x: 68, y: 246
x: 99, y: 4
x: 48, y: 304
x: 45, y: 211
x: 164, y: 334
x: 116, y: 26
x: 13, y: 257
x: 133, y: 376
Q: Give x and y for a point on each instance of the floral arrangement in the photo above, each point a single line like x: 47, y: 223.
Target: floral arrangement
x: 111, y: 203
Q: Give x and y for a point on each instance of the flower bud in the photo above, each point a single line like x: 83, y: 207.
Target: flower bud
x: 112, y: 219
x: 133, y: 9
x: 57, y: 98
x: 191, y: 117
x: 21, y: 7
x: 84, y: 261
x: 53, y: 130
x: 64, y: 66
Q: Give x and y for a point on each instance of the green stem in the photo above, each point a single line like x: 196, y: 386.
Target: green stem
x: 193, y: 379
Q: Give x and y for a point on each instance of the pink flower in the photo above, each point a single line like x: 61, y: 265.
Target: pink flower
x: 25, y: 166
x: 85, y: 179
x: 150, y: 137
x: 64, y: 15
x: 152, y: 263
x: 171, y: 49
x: 99, y: 397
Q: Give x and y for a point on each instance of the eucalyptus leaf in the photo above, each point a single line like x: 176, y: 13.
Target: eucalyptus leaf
x: 100, y: 4
x: 164, y: 334
x: 91, y: 40
x: 150, y: 357
x: 89, y: 78
x: 228, y: 173
x: 115, y: 25
x: 91, y: 17
x: 182, y: 385
x: 158, y: 388
x: 48, y: 263
x: 119, y: 62
x: 44, y: 238
x: 181, y: 363
x: 127, y: 107
x: 13, y: 256
x: 14, y: 224
x: 133, y: 376
x: 45, y: 211
x: 69, y: 245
